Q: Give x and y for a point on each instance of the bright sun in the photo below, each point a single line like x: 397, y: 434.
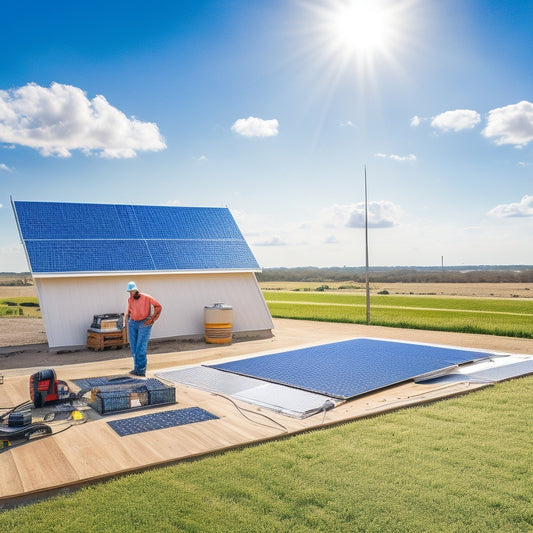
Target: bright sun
x: 360, y: 25
x: 355, y: 40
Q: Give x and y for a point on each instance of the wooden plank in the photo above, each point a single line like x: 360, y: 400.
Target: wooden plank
x: 41, y: 464
x: 95, y: 451
x: 10, y: 480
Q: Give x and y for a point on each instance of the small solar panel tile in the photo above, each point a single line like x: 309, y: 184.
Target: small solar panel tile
x: 163, y: 420
x: 104, y: 381
x: 71, y: 237
x: 350, y: 368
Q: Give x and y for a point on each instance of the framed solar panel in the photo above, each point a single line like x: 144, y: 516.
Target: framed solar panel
x: 95, y: 238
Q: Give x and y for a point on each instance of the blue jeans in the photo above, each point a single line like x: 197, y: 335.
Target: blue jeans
x: 139, y: 335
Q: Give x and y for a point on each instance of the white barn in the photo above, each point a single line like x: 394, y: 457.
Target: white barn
x: 82, y: 256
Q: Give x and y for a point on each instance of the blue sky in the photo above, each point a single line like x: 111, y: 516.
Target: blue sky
x: 273, y: 108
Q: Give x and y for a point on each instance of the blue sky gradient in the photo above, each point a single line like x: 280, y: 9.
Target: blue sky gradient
x: 261, y: 107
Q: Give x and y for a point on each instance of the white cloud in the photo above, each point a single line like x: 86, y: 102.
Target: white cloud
x: 4, y: 167
x: 274, y: 241
x: 511, y: 124
x: 401, y: 158
x: 460, y: 119
x: 524, y: 208
x: 256, y: 127
x: 59, y: 119
x: 415, y: 121
x: 381, y: 214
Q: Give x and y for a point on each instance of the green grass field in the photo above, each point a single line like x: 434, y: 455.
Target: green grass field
x: 20, y: 306
x: 507, y: 317
x: 458, y: 465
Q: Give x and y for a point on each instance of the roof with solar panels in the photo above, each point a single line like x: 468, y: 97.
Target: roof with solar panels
x: 74, y: 238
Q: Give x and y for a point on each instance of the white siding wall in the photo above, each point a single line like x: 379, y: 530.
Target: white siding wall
x: 68, y: 304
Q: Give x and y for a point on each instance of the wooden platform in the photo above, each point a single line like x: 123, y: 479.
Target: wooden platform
x: 94, y: 451
x: 100, y: 340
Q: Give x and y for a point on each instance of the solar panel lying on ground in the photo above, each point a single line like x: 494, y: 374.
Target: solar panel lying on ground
x: 351, y: 368
x: 289, y: 401
x: 71, y: 237
x: 162, y: 420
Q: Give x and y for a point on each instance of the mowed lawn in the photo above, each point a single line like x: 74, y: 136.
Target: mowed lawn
x: 507, y: 317
x: 458, y: 465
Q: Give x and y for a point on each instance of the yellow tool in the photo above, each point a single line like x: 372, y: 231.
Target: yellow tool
x: 76, y: 415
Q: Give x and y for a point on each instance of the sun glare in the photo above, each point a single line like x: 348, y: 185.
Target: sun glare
x: 355, y: 41
x: 360, y: 25
x: 362, y: 30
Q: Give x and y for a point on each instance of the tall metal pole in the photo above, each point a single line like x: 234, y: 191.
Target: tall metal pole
x: 366, y: 256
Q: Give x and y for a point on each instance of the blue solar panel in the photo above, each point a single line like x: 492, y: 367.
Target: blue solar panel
x: 162, y: 420
x: 350, y: 368
x: 88, y: 256
x: 203, y: 255
x: 71, y: 237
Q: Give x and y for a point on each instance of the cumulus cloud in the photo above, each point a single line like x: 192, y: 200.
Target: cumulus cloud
x: 381, y: 214
x: 274, y: 241
x: 403, y: 158
x: 511, y: 124
x: 256, y: 127
x: 58, y: 119
x: 415, y: 121
x: 460, y: 119
x: 400, y: 158
x: 4, y: 167
x: 524, y: 208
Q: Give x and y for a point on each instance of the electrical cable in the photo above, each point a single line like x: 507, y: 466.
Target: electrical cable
x: 421, y: 394
x: 71, y: 422
x: 242, y: 411
x: 14, y: 409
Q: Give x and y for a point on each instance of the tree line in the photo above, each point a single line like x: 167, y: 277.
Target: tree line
x: 475, y: 274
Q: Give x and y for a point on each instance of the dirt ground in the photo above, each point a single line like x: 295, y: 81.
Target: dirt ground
x: 479, y: 290
x: 23, y: 342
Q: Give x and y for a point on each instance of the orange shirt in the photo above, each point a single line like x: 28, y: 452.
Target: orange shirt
x: 140, y: 309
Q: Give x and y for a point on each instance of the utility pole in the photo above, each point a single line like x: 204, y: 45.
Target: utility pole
x: 366, y: 256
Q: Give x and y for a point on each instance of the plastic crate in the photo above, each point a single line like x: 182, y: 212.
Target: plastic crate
x: 122, y: 397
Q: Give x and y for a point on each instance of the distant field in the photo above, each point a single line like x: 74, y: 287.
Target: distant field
x: 493, y: 316
x: 481, y: 290
x: 20, y: 306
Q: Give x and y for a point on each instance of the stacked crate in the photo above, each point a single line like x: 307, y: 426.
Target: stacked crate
x: 107, y: 331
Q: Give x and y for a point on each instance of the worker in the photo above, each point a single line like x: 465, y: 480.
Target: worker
x: 143, y: 311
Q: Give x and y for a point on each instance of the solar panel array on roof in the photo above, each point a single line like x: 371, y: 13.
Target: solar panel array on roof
x: 71, y: 237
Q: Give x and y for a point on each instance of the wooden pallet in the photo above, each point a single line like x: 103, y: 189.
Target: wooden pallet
x: 106, y: 339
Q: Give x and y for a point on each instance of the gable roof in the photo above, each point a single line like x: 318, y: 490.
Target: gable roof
x: 96, y: 238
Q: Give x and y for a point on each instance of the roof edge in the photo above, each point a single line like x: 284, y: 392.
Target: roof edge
x: 42, y: 275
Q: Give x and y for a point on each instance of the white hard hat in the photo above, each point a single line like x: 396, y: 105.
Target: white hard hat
x: 132, y: 287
